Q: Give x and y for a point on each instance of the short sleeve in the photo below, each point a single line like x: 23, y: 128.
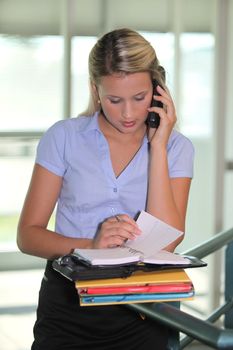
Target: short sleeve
x: 51, y: 149
x: 180, y: 156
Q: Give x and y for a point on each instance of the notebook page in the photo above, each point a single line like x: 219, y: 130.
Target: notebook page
x: 155, y: 235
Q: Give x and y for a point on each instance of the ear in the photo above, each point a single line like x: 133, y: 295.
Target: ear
x: 94, y: 89
x: 95, y: 95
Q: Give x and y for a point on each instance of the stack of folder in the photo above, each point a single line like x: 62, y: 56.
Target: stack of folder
x: 141, y: 287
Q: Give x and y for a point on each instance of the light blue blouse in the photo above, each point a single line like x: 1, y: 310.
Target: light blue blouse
x: 76, y: 150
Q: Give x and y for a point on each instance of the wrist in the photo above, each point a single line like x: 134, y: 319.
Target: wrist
x: 91, y: 244
x: 158, y: 148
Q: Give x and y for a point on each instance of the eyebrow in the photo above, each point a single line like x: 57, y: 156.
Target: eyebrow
x: 114, y: 96
x: 139, y: 93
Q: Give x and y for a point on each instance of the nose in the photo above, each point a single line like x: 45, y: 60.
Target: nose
x: 127, y: 110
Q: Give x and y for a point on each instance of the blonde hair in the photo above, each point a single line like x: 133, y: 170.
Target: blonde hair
x: 121, y: 51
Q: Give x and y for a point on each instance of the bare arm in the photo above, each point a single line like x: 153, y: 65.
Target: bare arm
x: 170, y: 202
x: 167, y: 198
x: 33, y: 237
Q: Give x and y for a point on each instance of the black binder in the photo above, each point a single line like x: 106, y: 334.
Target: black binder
x: 73, y: 268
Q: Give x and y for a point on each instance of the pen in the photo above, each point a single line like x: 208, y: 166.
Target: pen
x: 117, y: 217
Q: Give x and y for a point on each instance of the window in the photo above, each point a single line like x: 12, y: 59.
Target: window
x: 30, y: 84
x: 197, y: 75
x: 81, y: 47
x: 30, y: 89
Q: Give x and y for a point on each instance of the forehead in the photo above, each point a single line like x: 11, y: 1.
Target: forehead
x: 116, y: 84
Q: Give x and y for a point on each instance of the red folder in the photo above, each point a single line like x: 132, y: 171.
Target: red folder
x: 159, y: 288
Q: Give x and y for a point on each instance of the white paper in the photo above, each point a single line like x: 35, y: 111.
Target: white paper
x: 155, y: 235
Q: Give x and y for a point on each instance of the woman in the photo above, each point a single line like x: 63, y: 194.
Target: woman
x: 102, y: 169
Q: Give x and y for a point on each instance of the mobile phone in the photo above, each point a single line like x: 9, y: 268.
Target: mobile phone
x: 153, y: 118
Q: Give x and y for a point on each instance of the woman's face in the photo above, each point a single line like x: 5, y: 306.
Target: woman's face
x: 125, y: 99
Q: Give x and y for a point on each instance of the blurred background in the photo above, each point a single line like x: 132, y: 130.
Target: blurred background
x: 44, y: 47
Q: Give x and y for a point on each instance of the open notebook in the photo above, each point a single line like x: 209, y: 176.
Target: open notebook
x: 146, y: 248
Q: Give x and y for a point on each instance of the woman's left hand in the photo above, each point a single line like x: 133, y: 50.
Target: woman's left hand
x: 167, y: 118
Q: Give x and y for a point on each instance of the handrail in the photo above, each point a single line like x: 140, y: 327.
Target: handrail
x: 212, y: 318
x: 211, y: 245
x: 180, y: 321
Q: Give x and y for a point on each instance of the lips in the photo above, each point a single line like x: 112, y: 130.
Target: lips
x: 129, y: 124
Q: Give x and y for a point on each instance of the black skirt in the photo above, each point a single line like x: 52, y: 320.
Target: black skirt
x: 63, y: 325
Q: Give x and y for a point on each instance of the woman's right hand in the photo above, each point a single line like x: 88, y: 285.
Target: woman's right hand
x: 115, y: 230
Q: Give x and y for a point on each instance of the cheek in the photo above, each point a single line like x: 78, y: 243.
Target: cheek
x: 111, y: 110
x: 110, y: 113
x: 148, y: 102
x: 142, y: 108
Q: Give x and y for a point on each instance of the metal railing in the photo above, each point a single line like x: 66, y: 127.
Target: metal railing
x: 195, y: 328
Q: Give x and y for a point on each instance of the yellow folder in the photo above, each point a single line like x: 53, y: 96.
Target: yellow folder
x: 139, y: 278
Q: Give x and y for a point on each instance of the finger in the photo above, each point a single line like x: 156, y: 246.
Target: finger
x: 120, y: 232
x: 166, y: 100
x: 115, y: 241
x: 124, y: 235
x: 168, y: 109
x: 164, y: 95
x: 119, y: 239
x: 127, y: 218
x: 128, y: 227
x: 120, y: 228
x: 123, y: 218
x: 163, y: 92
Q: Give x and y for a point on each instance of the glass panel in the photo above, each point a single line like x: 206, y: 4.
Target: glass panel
x: 30, y: 84
x: 197, y: 66
x: 228, y: 195
x: 81, y: 47
x: 196, y: 122
x: 16, y: 158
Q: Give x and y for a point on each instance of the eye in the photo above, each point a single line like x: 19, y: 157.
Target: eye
x: 139, y: 98
x: 114, y: 100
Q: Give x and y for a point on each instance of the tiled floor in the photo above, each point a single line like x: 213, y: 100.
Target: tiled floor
x: 18, y: 300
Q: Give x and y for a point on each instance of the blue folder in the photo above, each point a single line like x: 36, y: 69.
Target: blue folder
x: 127, y: 298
